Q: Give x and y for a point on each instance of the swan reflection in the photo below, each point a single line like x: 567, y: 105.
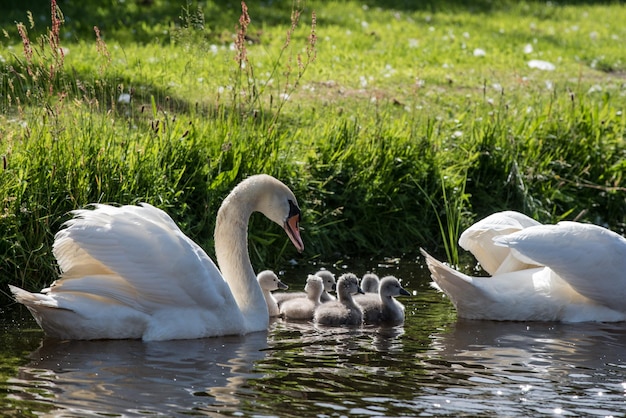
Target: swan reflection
x: 134, y: 377
x: 528, y: 367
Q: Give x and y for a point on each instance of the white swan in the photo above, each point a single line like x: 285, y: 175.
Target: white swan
x: 330, y: 285
x: 269, y: 281
x: 478, y: 239
x: 383, y: 308
x: 570, y: 272
x: 303, y: 308
x: 130, y: 272
x: 343, y: 311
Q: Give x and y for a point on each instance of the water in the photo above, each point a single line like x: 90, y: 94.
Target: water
x: 434, y: 365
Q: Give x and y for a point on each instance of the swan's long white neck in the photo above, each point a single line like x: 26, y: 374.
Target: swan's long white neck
x: 231, y: 250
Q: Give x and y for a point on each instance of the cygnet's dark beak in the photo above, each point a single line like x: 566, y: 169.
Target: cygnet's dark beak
x: 404, y: 292
x: 282, y: 285
x: 360, y: 291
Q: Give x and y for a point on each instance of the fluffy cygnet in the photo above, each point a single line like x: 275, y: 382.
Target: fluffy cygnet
x: 343, y: 311
x: 303, y: 308
x: 268, y: 282
x: 383, y: 307
x: 370, y: 283
x: 329, y: 286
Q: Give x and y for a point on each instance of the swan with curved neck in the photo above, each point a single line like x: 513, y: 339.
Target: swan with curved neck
x: 130, y: 272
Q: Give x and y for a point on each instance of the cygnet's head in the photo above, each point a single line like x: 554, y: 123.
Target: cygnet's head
x: 348, y: 284
x: 330, y: 285
x: 369, y: 283
x: 314, y: 287
x: 269, y: 281
x: 390, y: 286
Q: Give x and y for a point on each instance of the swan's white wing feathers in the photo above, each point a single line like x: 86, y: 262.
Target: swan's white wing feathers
x: 536, y: 294
x: 478, y: 239
x: 143, y: 247
x: 590, y: 258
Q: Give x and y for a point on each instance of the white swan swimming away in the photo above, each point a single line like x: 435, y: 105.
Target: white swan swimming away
x: 130, y: 272
x: 383, y: 308
x: 269, y: 281
x: 329, y: 286
x: 370, y: 283
x: 303, y: 308
x: 570, y: 272
x: 343, y: 311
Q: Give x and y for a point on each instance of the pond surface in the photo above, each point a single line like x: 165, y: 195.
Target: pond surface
x: 433, y: 365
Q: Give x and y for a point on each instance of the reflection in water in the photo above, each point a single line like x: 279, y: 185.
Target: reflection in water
x: 432, y: 365
x: 516, y: 368
x: 133, y: 377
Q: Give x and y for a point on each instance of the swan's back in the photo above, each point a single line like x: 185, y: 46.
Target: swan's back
x: 536, y: 294
x: 383, y: 307
x: 592, y: 259
x: 478, y: 239
x: 303, y: 308
x: 343, y: 311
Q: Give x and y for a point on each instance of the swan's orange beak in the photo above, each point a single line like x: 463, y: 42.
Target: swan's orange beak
x: 292, y: 227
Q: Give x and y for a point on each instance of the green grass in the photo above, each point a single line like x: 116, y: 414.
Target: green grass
x: 399, y: 134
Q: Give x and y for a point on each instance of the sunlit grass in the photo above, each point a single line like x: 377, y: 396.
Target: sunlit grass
x: 409, y: 123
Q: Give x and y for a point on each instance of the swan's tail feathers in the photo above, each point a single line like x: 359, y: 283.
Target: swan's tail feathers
x: 456, y: 285
x: 32, y: 300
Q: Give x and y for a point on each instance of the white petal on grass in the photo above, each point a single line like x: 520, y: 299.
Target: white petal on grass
x: 124, y: 98
x: 594, y: 89
x: 541, y: 65
x: 479, y: 52
x: 528, y: 48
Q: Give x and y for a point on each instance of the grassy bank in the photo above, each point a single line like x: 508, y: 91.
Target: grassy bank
x: 396, y: 126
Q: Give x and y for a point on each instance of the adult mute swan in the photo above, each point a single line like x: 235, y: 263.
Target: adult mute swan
x: 570, y: 272
x: 130, y: 272
x: 269, y: 281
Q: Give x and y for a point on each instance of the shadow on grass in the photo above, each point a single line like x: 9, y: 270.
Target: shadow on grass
x: 145, y: 21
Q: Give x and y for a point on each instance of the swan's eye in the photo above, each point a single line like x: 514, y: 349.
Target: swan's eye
x: 294, y: 210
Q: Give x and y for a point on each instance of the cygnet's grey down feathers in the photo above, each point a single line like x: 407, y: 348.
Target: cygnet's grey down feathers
x: 383, y: 308
x: 329, y: 286
x: 303, y: 308
x: 343, y: 311
x: 269, y: 281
